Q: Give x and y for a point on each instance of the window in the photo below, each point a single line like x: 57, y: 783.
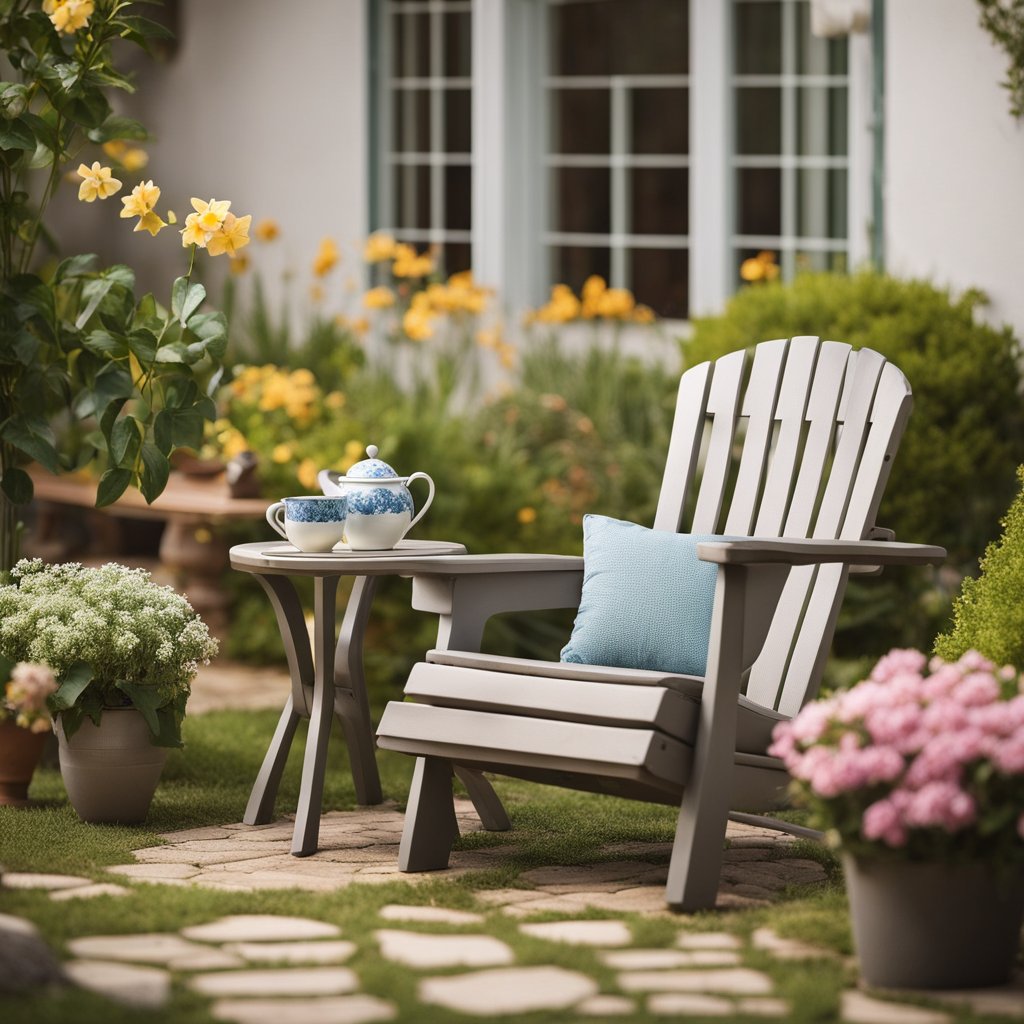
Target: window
x: 790, y: 158
x: 424, y: 123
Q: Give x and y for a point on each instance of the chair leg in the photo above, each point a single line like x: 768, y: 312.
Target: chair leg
x: 430, y: 823
x: 487, y: 803
x: 696, y: 863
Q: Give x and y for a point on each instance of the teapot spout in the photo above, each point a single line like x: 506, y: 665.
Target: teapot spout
x: 330, y: 481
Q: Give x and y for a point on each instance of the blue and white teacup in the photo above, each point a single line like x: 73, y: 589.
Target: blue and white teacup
x: 312, y: 522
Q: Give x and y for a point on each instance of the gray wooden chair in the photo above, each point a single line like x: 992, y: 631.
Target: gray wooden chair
x: 791, y: 449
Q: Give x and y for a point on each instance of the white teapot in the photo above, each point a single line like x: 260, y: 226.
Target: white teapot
x: 380, y: 507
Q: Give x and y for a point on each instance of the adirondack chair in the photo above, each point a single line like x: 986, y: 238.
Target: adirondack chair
x: 794, y: 455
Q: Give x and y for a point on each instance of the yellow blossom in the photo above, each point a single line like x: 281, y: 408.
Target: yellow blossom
x: 282, y: 453
x: 408, y: 264
x: 527, y: 515
x: 355, y: 451
x: 115, y: 149
x: 591, y: 293
x: 307, y: 473
x: 192, y: 233
x: 238, y: 264
x: 135, y: 159
x: 562, y: 307
x: 643, y: 315
x: 761, y: 267
x: 418, y: 325
x: 615, y: 303
x: 267, y: 230
x: 379, y: 298
x: 150, y: 222
x: 334, y: 400
x: 379, y: 246
x: 144, y: 197
x: 232, y: 235
x: 326, y: 257
x: 69, y: 15
x: 211, y: 215
x: 97, y: 183
x: 172, y: 217
x: 232, y: 443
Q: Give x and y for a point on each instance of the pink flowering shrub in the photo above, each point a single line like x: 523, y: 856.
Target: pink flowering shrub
x: 923, y: 759
x: 25, y: 696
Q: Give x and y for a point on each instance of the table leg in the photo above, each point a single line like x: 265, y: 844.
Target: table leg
x: 287, y: 608
x: 350, y: 700
x: 314, y: 763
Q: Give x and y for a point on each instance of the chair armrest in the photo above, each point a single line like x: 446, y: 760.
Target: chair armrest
x: 515, y: 562
x: 797, y: 551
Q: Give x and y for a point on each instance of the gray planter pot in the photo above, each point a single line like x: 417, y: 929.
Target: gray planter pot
x: 934, y: 925
x: 111, y: 770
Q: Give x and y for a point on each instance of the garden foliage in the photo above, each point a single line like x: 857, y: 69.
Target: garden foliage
x: 988, y: 616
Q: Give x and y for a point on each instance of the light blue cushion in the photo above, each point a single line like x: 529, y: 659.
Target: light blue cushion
x: 647, y: 599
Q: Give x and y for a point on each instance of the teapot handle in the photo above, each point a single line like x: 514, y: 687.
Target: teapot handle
x: 426, y: 504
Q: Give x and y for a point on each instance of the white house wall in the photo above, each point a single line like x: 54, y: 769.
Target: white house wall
x: 954, y: 156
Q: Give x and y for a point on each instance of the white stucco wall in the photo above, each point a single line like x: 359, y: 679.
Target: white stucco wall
x: 265, y: 104
x: 954, y: 156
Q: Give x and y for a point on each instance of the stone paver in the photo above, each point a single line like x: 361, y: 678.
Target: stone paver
x: 661, y: 959
x: 334, y: 951
x: 511, y: 990
x: 764, y: 1006
x: 789, y: 949
x: 430, y: 915
x: 858, y: 1008
x: 300, y: 981
x: 146, y: 948
x: 1002, y: 1001
x: 426, y: 951
x: 148, y: 987
x: 735, y: 981
x: 708, y: 940
x: 260, y: 928
x: 88, y: 892
x: 689, y: 1004
x: 605, y: 1006
x: 155, y: 872
x: 32, y: 880
x: 329, y: 1010
x: 581, y: 933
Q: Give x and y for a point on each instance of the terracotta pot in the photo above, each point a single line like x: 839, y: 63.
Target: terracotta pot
x: 20, y: 752
x: 934, y: 925
x: 111, y: 770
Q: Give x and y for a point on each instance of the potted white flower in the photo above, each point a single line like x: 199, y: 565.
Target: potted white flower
x: 917, y: 774
x: 124, y: 651
x: 24, y: 726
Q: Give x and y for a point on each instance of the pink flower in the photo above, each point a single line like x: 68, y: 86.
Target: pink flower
x: 1008, y: 756
x: 811, y: 722
x: 898, y: 661
x: 894, y: 725
x: 941, y: 805
x: 882, y: 820
x: 977, y: 689
x: 972, y: 661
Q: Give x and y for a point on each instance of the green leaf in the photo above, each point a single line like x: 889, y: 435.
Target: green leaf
x: 163, y: 431
x: 155, y: 471
x: 186, y: 297
x: 187, y: 431
x: 146, y: 700
x: 112, y: 485
x: 181, y: 393
x: 109, y: 417
x: 102, y: 343
x: 125, y: 439
x: 94, y: 293
x: 17, y: 485
x: 17, y: 135
x: 112, y: 382
x: 73, y: 266
x: 116, y: 127
x: 143, y: 344
x: 72, y: 683
x: 34, y: 438
x: 175, y: 353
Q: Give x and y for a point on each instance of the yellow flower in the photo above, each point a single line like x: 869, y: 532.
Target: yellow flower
x: 615, y: 303
x: 97, y: 183
x: 355, y: 451
x: 326, y: 257
x: 115, y: 149
x: 267, y: 230
x: 135, y: 159
x: 643, y: 315
x: 761, y: 267
x: 334, y: 400
x: 592, y: 292
x: 409, y: 264
x: 379, y: 246
x: 142, y: 200
x: 307, y: 473
x: 69, y: 15
x: 150, y: 222
x: 379, y: 298
x: 527, y: 515
x: 752, y: 270
x: 418, y: 325
x: 192, y: 233
x: 232, y: 235
x: 233, y: 443
x: 211, y: 215
x: 282, y: 453
x: 562, y: 307
x: 238, y: 264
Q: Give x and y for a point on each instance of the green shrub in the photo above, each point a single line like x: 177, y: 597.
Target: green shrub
x: 949, y: 483
x: 988, y: 616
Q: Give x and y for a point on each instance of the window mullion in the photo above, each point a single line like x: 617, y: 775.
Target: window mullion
x: 620, y: 134
x: 789, y: 134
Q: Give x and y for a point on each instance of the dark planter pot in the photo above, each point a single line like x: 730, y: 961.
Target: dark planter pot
x: 934, y: 925
x: 111, y: 770
x: 20, y: 752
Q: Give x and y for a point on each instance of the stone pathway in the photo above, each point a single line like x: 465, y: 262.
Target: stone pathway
x: 272, y: 968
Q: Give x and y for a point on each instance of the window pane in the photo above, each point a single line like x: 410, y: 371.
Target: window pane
x: 412, y: 197
x: 411, y: 121
x: 661, y: 120
x: 758, y: 121
x: 821, y: 203
x: 457, y: 121
x: 580, y: 121
x: 573, y: 264
x: 821, y: 121
x: 620, y: 37
x: 814, y: 55
x: 454, y: 257
x: 742, y: 255
x: 411, y: 46
x: 659, y: 201
x: 457, y: 29
x: 759, y: 201
x: 580, y: 199
x: 835, y: 261
x: 758, y: 42
x: 661, y: 280
x: 457, y: 199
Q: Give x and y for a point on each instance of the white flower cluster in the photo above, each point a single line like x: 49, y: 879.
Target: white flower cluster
x: 117, y: 619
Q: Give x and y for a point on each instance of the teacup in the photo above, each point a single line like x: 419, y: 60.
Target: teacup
x: 312, y: 522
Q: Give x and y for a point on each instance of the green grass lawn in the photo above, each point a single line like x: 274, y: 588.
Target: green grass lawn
x: 208, y: 783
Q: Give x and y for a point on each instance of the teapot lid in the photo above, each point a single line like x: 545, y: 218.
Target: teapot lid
x: 371, y: 468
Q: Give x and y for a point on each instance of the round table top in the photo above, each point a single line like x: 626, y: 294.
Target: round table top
x: 408, y: 557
